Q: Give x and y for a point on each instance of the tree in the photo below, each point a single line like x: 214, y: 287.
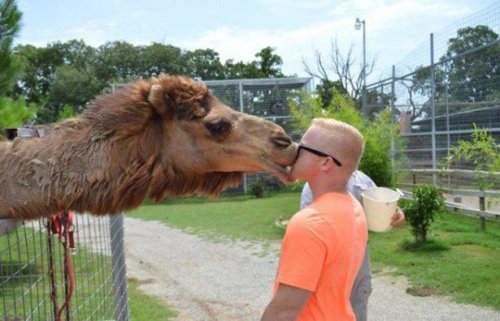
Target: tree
x: 419, y: 84
x: 269, y: 64
x: 71, y: 86
x: 472, y: 77
x: 10, y: 18
x: 39, y: 67
x: 58, y: 74
x: 240, y: 70
x: 348, y: 80
x: 76, y: 53
x: 117, y: 61
x: 157, y: 59
x: 204, y: 64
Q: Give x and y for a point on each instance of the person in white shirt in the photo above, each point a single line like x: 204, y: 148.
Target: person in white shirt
x: 362, y: 287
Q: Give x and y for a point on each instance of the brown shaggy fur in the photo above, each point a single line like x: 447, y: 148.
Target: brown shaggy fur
x: 162, y: 137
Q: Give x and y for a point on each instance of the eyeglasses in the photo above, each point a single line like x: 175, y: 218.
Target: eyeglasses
x: 319, y: 153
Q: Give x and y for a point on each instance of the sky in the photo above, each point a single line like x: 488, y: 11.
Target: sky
x: 238, y: 29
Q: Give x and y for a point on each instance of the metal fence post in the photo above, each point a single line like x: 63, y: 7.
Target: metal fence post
x: 119, y: 269
x: 393, y: 114
x: 245, y: 189
x: 482, y: 208
x: 433, y: 112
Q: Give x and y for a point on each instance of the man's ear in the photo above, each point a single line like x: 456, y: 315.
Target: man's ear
x: 161, y: 102
x: 327, y: 164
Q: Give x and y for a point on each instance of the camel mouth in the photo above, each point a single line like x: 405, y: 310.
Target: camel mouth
x: 280, y: 171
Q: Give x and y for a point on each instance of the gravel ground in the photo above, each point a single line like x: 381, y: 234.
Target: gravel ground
x: 232, y: 281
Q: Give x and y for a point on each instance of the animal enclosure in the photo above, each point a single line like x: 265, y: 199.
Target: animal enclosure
x: 34, y: 282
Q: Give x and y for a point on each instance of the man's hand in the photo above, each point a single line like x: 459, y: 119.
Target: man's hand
x: 398, y: 218
x: 286, y: 304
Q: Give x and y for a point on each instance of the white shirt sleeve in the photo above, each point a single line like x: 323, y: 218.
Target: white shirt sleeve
x: 356, y: 185
x: 306, y: 198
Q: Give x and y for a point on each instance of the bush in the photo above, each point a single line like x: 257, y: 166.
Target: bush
x: 257, y: 188
x: 427, y: 200
x: 14, y: 113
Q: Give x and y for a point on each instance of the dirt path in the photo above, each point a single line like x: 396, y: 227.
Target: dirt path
x: 228, y: 281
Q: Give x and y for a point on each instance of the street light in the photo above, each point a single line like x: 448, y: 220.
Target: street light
x: 358, y: 24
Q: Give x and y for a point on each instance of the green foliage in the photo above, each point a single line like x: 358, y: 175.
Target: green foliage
x: 14, y: 113
x: 257, y: 188
x: 269, y: 64
x: 378, y: 134
x: 66, y: 112
x: 73, y: 73
x: 73, y: 87
x: 10, y: 20
x: 484, y: 152
x: 470, y: 76
x: 158, y: 58
x: 117, y: 61
x: 420, y: 213
x: 204, y: 64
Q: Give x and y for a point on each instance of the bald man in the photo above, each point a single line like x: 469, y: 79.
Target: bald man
x: 324, y: 243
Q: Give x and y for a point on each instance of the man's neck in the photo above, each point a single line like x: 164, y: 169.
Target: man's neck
x: 320, y: 187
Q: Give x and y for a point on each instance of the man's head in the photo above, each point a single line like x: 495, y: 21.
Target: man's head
x: 330, y: 149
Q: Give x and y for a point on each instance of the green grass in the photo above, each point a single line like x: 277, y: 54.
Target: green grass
x: 145, y: 307
x: 458, y: 261
x: 236, y: 217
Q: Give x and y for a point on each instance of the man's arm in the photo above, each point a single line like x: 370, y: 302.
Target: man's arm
x: 286, y: 304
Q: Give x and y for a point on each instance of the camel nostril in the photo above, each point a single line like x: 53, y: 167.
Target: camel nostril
x: 282, y: 141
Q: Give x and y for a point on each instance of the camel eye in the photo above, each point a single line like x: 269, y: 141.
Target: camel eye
x: 220, y: 128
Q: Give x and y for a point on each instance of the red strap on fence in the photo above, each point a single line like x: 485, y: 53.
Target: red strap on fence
x: 62, y: 225
x: 62, y: 222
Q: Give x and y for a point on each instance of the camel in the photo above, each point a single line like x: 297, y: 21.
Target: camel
x: 161, y: 137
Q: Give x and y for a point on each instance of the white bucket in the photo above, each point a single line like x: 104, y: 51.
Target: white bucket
x: 380, y: 204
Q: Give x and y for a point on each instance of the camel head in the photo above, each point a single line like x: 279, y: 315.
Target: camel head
x: 161, y: 137
x: 191, y: 141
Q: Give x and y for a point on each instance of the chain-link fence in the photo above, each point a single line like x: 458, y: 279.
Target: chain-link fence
x: 36, y: 282
x: 438, y: 92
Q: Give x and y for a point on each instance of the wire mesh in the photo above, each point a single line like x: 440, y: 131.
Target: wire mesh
x: 439, y: 92
x: 33, y: 282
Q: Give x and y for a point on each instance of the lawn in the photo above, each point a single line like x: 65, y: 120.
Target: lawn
x: 459, y: 262
x: 145, y: 307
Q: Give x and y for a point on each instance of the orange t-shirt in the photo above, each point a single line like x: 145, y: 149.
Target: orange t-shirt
x: 322, y: 251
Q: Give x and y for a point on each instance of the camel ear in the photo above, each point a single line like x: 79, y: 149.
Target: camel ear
x: 160, y: 101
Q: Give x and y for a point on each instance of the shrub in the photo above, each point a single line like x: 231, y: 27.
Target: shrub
x: 257, y: 188
x: 483, y: 151
x: 14, y: 113
x: 427, y: 200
